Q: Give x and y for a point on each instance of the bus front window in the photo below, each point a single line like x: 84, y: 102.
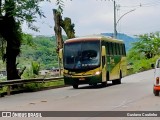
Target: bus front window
x: 82, y: 55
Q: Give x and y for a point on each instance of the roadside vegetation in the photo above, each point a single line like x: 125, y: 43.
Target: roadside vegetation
x: 144, y: 52
x: 37, y: 53
x: 13, y: 41
x: 39, y: 86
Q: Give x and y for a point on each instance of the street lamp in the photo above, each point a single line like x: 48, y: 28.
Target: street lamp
x: 120, y: 19
x: 116, y: 21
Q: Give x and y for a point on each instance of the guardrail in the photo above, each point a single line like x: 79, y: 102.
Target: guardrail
x: 10, y: 83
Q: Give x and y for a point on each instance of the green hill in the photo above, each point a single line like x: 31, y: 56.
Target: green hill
x: 127, y: 39
x: 42, y: 50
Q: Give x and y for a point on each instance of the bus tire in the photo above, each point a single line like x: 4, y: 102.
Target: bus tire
x: 94, y: 84
x: 104, y: 84
x: 118, y: 81
x: 120, y: 77
x: 75, y: 86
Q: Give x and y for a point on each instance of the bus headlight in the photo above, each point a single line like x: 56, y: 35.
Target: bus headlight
x: 98, y: 73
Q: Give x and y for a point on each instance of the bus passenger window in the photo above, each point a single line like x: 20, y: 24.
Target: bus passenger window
x: 114, y: 49
x: 107, y: 47
x: 110, y: 49
x: 120, y: 49
x: 124, y: 50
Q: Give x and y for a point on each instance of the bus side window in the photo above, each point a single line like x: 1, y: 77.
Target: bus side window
x: 107, y: 47
x: 114, y: 48
x: 124, y: 50
x: 117, y: 48
x: 110, y: 48
x: 120, y: 49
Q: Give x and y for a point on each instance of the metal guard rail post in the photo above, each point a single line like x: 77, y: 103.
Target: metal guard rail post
x: 10, y: 83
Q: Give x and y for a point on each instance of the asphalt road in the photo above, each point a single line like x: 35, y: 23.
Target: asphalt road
x: 134, y: 94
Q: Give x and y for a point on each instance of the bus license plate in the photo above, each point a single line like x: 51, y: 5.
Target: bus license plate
x: 81, y: 78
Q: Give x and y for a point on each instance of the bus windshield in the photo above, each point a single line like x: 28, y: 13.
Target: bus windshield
x: 82, y: 55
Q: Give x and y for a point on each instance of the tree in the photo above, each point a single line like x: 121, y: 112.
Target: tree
x: 148, y: 45
x: 68, y: 28
x: 13, y: 13
x: 60, y: 4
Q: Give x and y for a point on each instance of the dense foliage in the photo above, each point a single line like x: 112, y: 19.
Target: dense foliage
x: 145, y: 51
x: 42, y: 50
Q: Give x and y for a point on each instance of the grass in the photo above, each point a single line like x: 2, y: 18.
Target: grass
x: 142, y: 65
x: 30, y: 87
x: 39, y: 86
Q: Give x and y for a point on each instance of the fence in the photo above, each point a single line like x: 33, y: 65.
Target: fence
x: 10, y: 83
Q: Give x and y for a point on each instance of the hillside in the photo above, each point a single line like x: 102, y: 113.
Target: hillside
x: 42, y: 50
x: 127, y: 39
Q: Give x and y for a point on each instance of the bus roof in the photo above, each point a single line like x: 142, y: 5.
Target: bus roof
x: 94, y: 38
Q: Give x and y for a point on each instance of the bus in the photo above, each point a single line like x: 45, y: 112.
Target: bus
x: 93, y: 60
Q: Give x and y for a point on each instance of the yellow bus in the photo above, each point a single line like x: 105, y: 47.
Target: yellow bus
x: 92, y: 60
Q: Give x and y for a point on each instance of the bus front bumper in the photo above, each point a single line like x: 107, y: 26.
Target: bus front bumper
x: 82, y: 80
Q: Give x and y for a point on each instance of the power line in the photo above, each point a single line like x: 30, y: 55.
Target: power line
x: 150, y: 4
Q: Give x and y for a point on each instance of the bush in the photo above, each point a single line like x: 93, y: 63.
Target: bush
x: 143, y: 64
x: 33, y: 86
x: 35, y: 67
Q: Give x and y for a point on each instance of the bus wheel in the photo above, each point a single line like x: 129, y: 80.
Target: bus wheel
x: 120, y: 77
x: 94, y: 84
x: 104, y: 84
x: 118, y: 81
x: 114, y: 82
x: 75, y: 86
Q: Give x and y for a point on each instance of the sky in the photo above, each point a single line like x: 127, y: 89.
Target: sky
x: 97, y: 16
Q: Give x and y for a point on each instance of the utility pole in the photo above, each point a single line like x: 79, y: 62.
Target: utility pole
x: 115, y: 30
x: 115, y: 19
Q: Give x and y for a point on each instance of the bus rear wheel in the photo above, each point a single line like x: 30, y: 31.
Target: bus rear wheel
x: 118, y: 81
x: 115, y: 82
x: 75, y: 86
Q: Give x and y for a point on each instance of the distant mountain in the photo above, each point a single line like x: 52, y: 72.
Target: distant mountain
x: 127, y: 39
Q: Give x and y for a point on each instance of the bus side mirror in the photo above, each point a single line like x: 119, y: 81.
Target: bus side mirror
x: 61, y: 53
